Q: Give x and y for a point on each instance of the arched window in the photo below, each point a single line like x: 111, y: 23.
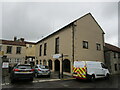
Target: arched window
x: 66, y: 65
x: 36, y: 61
x: 40, y: 62
x: 57, y: 65
x: 50, y: 64
x: 44, y: 62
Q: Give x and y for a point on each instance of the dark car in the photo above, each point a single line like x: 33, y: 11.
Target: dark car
x: 22, y: 71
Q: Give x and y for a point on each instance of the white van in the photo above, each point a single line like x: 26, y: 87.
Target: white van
x: 90, y: 70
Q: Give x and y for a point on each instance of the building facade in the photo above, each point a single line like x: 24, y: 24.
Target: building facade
x: 13, y: 51
x: 30, y: 52
x: 112, y: 58
x: 82, y: 39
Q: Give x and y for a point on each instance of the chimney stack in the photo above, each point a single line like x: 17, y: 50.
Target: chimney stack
x: 15, y: 38
x: 22, y: 39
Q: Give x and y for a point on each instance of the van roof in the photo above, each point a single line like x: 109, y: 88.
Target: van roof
x: 90, y: 61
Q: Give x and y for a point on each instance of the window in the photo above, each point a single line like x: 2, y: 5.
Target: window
x: 30, y: 45
x: 40, y: 50
x: 9, y: 60
x: 9, y: 49
x: 17, y: 60
x: 118, y: 55
x: 98, y: 46
x: 115, y: 67
x: 36, y: 61
x: 119, y: 66
x: 44, y: 62
x: 0, y: 48
x: 57, y: 45
x: 85, y: 44
x: 45, y: 47
x: 115, y: 54
x: 103, y: 66
x: 40, y: 62
x: 18, y: 50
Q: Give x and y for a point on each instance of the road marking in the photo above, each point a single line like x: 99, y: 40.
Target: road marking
x: 67, y: 78
x: 46, y: 80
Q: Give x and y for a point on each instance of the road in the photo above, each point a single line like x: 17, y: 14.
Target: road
x: 113, y: 82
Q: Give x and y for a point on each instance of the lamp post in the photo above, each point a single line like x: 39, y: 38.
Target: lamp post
x: 62, y: 66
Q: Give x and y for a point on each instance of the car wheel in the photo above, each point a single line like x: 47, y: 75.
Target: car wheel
x: 93, y: 78
x: 36, y: 75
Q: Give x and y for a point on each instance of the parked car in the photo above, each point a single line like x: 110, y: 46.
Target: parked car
x: 41, y: 70
x: 22, y: 71
x: 90, y: 70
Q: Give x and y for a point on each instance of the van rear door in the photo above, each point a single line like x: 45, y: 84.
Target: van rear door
x: 79, y: 70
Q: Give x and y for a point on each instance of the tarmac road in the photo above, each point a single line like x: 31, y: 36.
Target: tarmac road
x: 113, y: 82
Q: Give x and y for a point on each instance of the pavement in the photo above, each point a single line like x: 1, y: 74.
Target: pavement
x: 54, y: 77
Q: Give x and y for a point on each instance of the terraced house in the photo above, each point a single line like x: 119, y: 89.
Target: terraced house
x: 13, y: 51
x: 112, y: 58
x: 82, y: 39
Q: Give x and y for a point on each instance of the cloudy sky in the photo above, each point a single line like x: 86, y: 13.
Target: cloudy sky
x: 35, y: 20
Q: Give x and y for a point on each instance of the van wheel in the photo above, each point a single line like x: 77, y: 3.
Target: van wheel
x: 107, y: 76
x: 93, y: 78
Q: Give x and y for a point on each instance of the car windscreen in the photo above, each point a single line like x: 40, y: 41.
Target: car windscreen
x: 44, y: 67
x: 24, y: 67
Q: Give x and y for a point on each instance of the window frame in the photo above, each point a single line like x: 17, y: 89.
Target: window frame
x: 40, y: 50
x: 57, y: 45
x: 9, y: 51
x: 98, y: 46
x: 85, y: 44
x: 17, y: 50
x: 45, y: 49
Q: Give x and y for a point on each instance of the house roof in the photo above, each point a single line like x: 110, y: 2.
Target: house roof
x: 109, y: 47
x: 69, y: 25
x: 29, y: 42
x: 8, y: 42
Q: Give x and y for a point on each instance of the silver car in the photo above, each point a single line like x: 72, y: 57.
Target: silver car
x: 41, y: 70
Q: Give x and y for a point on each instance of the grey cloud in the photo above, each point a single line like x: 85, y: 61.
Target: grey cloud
x: 34, y: 20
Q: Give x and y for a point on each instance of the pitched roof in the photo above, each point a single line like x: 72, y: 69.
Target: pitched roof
x: 8, y: 42
x: 109, y: 47
x: 29, y: 42
x: 69, y: 25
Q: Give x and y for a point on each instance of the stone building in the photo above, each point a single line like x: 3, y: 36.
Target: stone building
x: 82, y: 39
x: 112, y: 58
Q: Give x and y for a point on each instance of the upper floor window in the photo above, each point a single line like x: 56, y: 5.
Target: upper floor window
x: 9, y: 49
x: 0, y: 47
x: 115, y: 67
x: 18, y: 50
x: 30, y: 45
x: 57, y: 45
x: 85, y: 44
x: 115, y: 55
x: 40, y: 53
x: 98, y: 46
x: 45, y: 48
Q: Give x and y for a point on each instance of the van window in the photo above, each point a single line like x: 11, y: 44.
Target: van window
x: 103, y: 66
